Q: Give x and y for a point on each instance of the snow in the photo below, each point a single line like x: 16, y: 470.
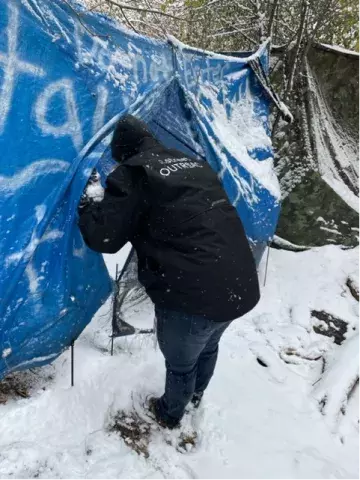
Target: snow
x: 330, y: 230
x: 239, y: 133
x: 255, y: 422
x: 6, y: 352
x: 339, y: 49
x: 182, y: 46
x: 355, y: 280
x: 286, y: 112
x: 338, y: 380
x: 95, y: 191
x: 286, y: 245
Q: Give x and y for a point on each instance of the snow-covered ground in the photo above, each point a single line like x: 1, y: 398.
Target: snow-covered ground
x: 256, y: 421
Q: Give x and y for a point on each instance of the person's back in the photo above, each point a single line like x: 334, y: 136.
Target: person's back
x: 191, y: 246
x: 194, y: 258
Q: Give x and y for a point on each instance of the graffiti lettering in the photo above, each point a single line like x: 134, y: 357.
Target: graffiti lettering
x: 12, y: 65
x: 104, y: 55
x: 140, y: 68
x: 72, y: 125
x: 27, y: 253
x: 9, y: 185
x: 100, y: 109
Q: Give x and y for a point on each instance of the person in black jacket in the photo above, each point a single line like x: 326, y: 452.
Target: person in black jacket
x: 193, y: 255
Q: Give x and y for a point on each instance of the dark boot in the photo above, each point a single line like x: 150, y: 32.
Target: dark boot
x: 153, y: 406
x: 196, y: 399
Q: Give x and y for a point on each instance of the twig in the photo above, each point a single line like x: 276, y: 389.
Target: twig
x: 148, y: 10
x: 203, y: 43
x: 127, y: 20
x: 164, y: 31
x: 297, y: 50
x: 242, y: 7
x: 284, y: 24
x: 237, y: 28
x: 259, y: 13
x: 319, y: 23
x: 205, y: 7
x: 148, y: 25
x: 97, y: 5
x: 246, y: 19
x: 290, y: 81
x: 234, y: 32
x: 272, y: 17
x: 249, y: 39
x: 91, y: 32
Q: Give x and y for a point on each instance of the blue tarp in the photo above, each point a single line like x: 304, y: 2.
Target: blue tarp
x: 66, y: 76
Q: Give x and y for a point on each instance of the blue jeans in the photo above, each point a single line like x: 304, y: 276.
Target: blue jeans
x: 190, y: 345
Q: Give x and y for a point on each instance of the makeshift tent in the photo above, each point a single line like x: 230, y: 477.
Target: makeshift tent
x: 318, y: 157
x: 66, y: 77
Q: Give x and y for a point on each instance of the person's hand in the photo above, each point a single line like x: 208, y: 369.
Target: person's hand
x: 93, y: 191
x: 94, y: 178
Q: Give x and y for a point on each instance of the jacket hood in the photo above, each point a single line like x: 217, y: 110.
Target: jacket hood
x: 129, y: 135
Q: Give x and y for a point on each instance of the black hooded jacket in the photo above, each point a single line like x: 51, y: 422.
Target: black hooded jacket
x: 192, y: 251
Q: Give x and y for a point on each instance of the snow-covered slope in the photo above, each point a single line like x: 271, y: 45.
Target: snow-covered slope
x: 256, y: 421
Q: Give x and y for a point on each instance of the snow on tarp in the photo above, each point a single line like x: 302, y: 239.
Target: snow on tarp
x: 339, y: 49
x: 66, y: 77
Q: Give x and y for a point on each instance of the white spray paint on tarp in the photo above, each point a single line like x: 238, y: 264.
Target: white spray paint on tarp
x: 12, y: 66
x: 10, y: 184
x: 71, y: 125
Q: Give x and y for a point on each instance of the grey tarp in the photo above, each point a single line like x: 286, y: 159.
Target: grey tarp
x: 317, y: 156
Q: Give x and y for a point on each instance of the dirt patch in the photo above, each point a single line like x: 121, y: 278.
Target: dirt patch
x: 133, y: 430
x: 21, y: 384
x: 187, y: 442
x: 331, y: 326
x: 137, y: 433
x: 353, y: 287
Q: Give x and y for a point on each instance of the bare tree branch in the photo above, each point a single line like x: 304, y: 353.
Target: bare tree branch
x: 235, y: 24
x: 321, y: 17
x: 290, y: 81
x: 272, y: 17
x: 285, y: 25
x: 205, y: 7
x: 127, y: 20
x: 148, y: 25
x: 320, y: 20
x: 297, y: 49
x: 253, y: 3
x: 243, y: 7
x: 98, y: 5
x: 260, y: 16
x: 158, y: 18
x: 147, y: 10
x: 78, y: 15
x: 234, y: 32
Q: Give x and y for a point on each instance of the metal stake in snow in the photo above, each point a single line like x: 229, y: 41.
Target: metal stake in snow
x: 114, y: 311
x: 126, y: 286
x: 267, y: 263
x: 72, y: 363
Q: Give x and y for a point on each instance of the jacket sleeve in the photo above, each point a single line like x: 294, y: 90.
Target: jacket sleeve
x: 106, y: 226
